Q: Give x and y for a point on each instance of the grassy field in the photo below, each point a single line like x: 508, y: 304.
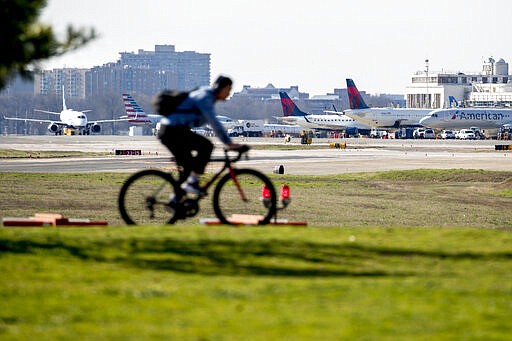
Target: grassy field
x: 219, y: 283
x: 449, y: 198
x: 420, y: 255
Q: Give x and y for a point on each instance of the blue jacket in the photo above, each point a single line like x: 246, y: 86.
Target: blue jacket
x: 197, y: 110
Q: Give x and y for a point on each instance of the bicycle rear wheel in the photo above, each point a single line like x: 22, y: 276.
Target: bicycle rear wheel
x: 145, y: 198
x: 242, y: 195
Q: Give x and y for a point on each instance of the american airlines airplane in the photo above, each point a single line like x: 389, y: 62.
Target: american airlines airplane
x: 137, y: 116
x: 70, y: 119
x: 381, y: 117
x: 336, y: 121
x: 460, y: 118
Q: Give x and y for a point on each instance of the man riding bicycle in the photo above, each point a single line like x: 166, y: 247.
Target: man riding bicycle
x: 192, y: 151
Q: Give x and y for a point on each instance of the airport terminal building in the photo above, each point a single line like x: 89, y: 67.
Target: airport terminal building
x: 490, y: 87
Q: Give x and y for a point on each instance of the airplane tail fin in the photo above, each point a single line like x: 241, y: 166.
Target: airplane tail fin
x: 289, y: 106
x: 64, y: 107
x: 134, y: 112
x: 453, y: 102
x: 354, y: 96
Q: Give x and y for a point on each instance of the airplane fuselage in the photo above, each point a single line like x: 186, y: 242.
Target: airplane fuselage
x: 388, y: 117
x: 73, y: 119
x: 333, y: 122
x: 144, y: 119
x: 460, y: 118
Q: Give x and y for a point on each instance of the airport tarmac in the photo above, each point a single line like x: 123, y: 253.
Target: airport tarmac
x: 361, y: 155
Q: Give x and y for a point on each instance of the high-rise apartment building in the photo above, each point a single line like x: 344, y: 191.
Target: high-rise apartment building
x: 145, y: 72
x: 51, y: 82
x: 148, y: 72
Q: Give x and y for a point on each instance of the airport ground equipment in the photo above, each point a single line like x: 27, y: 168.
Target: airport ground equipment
x: 51, y: 219
x: 155, y: 197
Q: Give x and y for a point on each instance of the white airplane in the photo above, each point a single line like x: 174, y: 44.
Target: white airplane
x: 227, y: 121
x: 381, y: 117
x: 70, y: 119
x: 283, y: 128
x: 136, y: 115
x: 333, y: 121
x: 461, y: 118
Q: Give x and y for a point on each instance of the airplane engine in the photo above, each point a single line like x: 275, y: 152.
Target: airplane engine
x: 95, y: 128
x: 53, y: 128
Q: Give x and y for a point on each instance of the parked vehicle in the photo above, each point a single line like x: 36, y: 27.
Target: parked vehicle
x: 447, y: 134
x: 429, y: 134
x: 424, y: 133
x: 249, y: 128
x: 376, y: 133
x: 404, y: 133
x: 479, y: 134
x: 465, y: 134
x: 419, y: 133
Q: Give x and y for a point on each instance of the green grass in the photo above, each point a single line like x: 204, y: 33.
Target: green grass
x: 449, y: 198
x: 15, y: 154
x: 220, y: 283
x: 404, y: 255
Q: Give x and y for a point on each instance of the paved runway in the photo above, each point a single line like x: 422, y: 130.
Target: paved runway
x: 361, y: 155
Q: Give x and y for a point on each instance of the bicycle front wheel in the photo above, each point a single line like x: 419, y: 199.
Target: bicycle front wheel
x: 241, y: 194
x: 145, y: 198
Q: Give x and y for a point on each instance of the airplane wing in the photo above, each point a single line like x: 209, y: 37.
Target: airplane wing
x: 109, y: 121
x: 47, y: 112
x: 33, y: 120
x: 333, y: 112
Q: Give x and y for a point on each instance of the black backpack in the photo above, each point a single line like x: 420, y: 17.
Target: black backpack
x: 166, y: 101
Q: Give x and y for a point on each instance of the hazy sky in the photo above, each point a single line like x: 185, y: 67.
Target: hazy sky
x: 313, y: 44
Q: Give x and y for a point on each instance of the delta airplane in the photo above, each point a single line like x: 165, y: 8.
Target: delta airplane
x: 337, y: 121
x: 70, y: 119
x: 136, y: 115
x: 463, y: 118
x: 381, y: 117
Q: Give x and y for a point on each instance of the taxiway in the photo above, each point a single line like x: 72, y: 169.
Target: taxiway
x: 361, y: 155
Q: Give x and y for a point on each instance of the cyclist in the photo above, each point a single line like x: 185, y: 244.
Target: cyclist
x: 192, y: 151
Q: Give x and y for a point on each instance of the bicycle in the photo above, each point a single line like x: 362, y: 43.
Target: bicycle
x: 153, y: 196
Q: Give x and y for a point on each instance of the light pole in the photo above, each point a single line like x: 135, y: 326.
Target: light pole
x: 427, y: 99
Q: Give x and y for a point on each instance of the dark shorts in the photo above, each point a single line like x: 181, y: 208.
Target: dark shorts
x: 191, y: 151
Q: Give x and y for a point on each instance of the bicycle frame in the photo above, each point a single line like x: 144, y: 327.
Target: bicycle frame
x: 227, y: 165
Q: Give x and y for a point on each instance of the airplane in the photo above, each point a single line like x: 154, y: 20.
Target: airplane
x: 227, y: 121
x: 461, y: 118
x: 336, y: 121
x: 136, y: 115
x: 69, y: 119
x: 381, y: 117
